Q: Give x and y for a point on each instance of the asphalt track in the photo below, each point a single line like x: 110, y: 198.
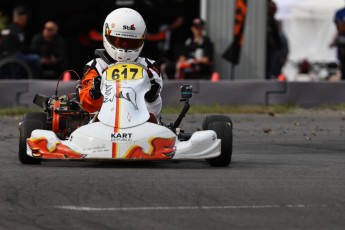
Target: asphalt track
x: 288, y: 172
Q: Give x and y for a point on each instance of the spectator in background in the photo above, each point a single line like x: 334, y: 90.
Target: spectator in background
x: 273, y: 40
x: 167, y: 30
x: 13, y: 36
x: 197, y: 57
x: 14, y: 42
x: 339, y: 40
x: 52, y: 50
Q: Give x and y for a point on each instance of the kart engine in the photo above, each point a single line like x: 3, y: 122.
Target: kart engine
x: 65, y: 113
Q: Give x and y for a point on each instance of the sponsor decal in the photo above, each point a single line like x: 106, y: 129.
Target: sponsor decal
x: 107, y: 94
x: 107, y: 30
x: 97, y: 149
x: 125, y: 35
x: 131, y: 27
x: 121, y: 137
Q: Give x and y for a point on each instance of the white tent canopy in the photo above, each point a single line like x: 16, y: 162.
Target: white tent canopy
x: 309, y: 28
x: 315, y: 9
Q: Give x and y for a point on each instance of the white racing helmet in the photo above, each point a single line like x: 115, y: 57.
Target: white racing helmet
x: 123, y: 34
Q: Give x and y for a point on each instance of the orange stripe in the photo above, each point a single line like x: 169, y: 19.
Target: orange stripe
x: 118, y: 105
x: 117, y: 121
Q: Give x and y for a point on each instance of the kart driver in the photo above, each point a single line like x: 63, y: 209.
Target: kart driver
x: 123, y: 39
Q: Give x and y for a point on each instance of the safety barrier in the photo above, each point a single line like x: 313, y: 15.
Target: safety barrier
x: 20, y: 93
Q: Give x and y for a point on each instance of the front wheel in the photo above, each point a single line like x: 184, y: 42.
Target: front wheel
x: 222, y: 125
x: 41, y: 116
x: 25, y: 129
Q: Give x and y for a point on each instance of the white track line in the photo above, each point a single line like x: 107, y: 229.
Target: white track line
x: 94, y: 209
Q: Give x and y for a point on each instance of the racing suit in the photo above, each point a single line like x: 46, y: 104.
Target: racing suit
x: 96, y: 67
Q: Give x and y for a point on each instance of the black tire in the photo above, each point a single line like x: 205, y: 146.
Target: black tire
x: 213, y: 118
x: 40, y: 116
x: 25, y: 129
x: 222, y: 125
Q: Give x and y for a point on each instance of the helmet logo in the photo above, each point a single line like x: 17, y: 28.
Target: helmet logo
x: 107, y: 30
x: 131, y: 27
x: 112, y: 25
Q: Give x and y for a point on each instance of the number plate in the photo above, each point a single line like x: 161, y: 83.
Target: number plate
x: 121, y: 72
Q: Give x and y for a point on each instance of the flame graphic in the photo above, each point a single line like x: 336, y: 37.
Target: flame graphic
x: 39, y: 149
x: 161, y: 149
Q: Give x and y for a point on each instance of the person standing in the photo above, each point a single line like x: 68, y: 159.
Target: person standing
x: 339, y: 40
x: 273, y: 40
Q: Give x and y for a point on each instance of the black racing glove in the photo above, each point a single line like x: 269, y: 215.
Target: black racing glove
x: 95, y: 91
x: 153, y: 93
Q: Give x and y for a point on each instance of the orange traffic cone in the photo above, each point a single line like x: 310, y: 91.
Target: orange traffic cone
x: 67, y: 76
x: 281, y: 77
x: 215, y: 77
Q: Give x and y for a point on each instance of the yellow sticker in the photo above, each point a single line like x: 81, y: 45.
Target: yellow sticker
x: 121, y: 72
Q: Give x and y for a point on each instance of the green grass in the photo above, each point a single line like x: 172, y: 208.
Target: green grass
x: 222, y: 109
x: 18, y: 111
x: 339, y: 107
x: 207, y: 109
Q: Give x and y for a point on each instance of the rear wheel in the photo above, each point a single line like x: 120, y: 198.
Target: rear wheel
x: 25, y: 129
x: 212, y: 118
x: 222, y: 125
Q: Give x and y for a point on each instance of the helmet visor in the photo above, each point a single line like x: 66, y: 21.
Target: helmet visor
x: 125, y: 43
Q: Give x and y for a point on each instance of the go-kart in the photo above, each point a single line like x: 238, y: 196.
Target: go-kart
x: 123, y: 129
